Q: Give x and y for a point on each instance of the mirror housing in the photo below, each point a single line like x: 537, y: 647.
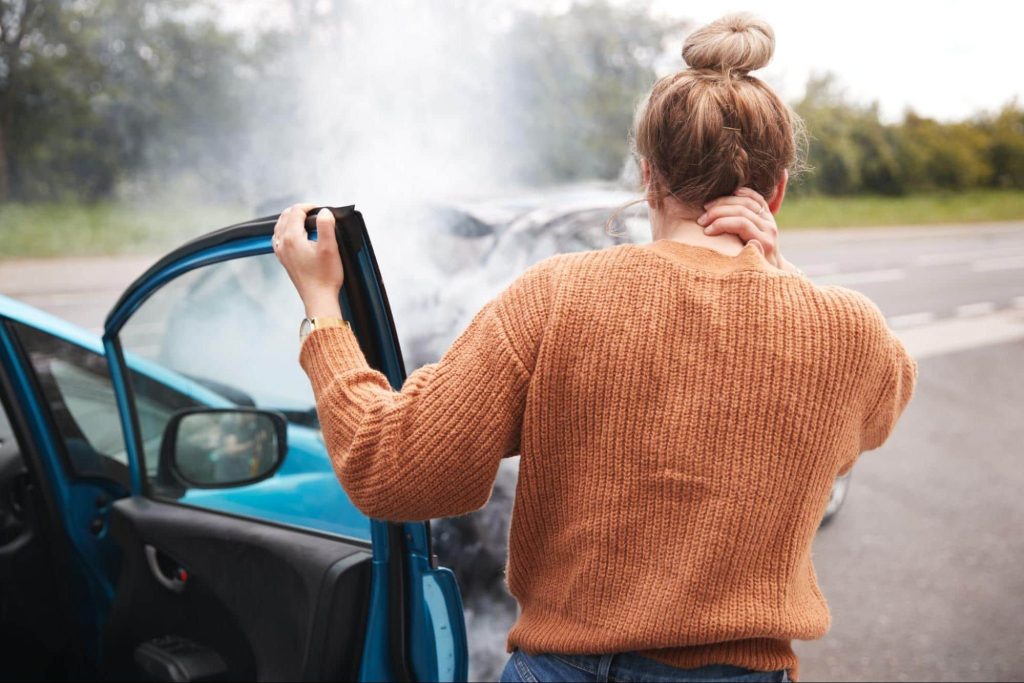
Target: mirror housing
x: 213, y: 448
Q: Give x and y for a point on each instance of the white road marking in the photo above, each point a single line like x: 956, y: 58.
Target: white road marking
x: 863, y: 277
x: 1001, y: 263
x: 899, y: 322
x: 979, y: 308
x: 952, y: 257
x: 959, y: 334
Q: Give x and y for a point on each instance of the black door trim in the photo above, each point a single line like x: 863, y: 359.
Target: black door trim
x: 57, y: 540
x: 315, y: 667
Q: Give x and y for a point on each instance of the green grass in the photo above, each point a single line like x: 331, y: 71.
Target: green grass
x: 974, y: 206
x: 43, y: 230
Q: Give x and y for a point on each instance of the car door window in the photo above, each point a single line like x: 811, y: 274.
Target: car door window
x: 13, y: 485
x: 226, y: 335
x: 77, y: 388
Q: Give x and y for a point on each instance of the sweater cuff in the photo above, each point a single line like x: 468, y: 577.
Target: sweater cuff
x: 328, y: 352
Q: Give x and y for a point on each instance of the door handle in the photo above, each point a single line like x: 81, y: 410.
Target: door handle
x: 174, y: 583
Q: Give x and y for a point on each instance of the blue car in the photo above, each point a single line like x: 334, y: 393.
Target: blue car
x: 168, y: 510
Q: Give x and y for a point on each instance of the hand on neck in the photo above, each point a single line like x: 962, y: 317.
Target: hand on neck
x: 673, y: 221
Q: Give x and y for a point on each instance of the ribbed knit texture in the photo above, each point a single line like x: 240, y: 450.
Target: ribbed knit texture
x: 681, y: 416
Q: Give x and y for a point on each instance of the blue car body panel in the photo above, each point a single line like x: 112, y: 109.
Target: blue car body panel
x: 305, y: 482
x: 303, y: 493
x: 306, y: 478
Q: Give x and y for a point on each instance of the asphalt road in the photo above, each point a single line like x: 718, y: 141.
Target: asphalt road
x: 922, y: 568
x: 82, y: 290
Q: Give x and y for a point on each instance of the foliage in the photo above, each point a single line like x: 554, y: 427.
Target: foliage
x: 853, y: 152
x: 575, y: 79
x: 92, y: 90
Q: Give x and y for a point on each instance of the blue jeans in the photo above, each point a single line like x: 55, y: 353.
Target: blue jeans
x: 622, y: 666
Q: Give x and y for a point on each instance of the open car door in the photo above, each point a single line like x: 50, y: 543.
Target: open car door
x: 277, y: 575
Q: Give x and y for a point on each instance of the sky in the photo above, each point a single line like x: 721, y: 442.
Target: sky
x: 947, y: 59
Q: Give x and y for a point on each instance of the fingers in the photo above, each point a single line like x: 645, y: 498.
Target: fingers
x: 290, y: 227
x: 741, y: 226
x: 752, y: 194
x: 734, y: 210
x: 325, y: 230
x: 295, y: 223
x: 746, y: 214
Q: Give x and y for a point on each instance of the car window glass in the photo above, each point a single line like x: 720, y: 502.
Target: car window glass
x: 78, y: 390
x: 88, y: 397
x: 226, y: 335
x: 9, y: 451
x: 14, y: 483
x: 230, y: 327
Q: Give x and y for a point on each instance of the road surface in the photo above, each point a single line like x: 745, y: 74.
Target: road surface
x: 922, y: 568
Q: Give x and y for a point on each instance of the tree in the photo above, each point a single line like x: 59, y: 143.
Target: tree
x: 575, y: 79
x: 850, y: 149
x: 20, y: 23
x: 1006, y: 147
x: 933, y: 155
x: 89, y: 89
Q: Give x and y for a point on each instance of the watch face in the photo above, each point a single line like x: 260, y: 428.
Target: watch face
x: 305, y: 328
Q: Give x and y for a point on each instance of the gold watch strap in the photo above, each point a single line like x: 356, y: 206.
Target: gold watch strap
x: 310, y: 324
x: 324, y: 323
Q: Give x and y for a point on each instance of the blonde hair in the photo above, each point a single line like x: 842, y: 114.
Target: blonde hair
x: 711, y: 128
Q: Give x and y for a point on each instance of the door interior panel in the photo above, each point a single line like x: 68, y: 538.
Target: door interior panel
x: 35, y: 603
x: 273, y: 603
x: 34, y: 623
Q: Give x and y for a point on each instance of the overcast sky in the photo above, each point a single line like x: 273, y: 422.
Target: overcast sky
x: 946, y: 59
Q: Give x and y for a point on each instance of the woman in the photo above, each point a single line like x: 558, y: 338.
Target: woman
x: 681, y: 407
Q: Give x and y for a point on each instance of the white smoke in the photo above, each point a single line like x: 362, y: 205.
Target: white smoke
x: 396, y: 106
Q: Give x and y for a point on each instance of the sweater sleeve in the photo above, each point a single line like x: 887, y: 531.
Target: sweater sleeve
x: 897, y: 386
x: 433, y: 448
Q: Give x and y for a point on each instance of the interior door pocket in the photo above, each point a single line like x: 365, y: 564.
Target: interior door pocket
x: 173, y: 658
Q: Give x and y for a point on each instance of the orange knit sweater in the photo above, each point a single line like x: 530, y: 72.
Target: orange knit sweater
x: 681, y: 416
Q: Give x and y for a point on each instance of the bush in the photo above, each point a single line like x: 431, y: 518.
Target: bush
x: 853, y: 152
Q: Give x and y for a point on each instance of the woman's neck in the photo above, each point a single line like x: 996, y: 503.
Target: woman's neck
x: 681, y: 226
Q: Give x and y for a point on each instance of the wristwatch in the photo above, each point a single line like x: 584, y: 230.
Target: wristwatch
x: 310, y: 324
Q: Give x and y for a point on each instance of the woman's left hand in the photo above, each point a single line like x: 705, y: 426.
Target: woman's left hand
x: 313, y: 266
x: 746, y: 214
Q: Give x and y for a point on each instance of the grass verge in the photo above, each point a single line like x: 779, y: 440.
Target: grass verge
x: 974, y: 206
x: 46, y: 230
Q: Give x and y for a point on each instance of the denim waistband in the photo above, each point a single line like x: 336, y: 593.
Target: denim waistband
x: 604, y: 665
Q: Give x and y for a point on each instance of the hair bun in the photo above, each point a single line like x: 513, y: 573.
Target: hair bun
x: 736, y: 43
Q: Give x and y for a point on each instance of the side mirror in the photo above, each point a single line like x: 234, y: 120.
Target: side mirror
x: 210, y: 448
